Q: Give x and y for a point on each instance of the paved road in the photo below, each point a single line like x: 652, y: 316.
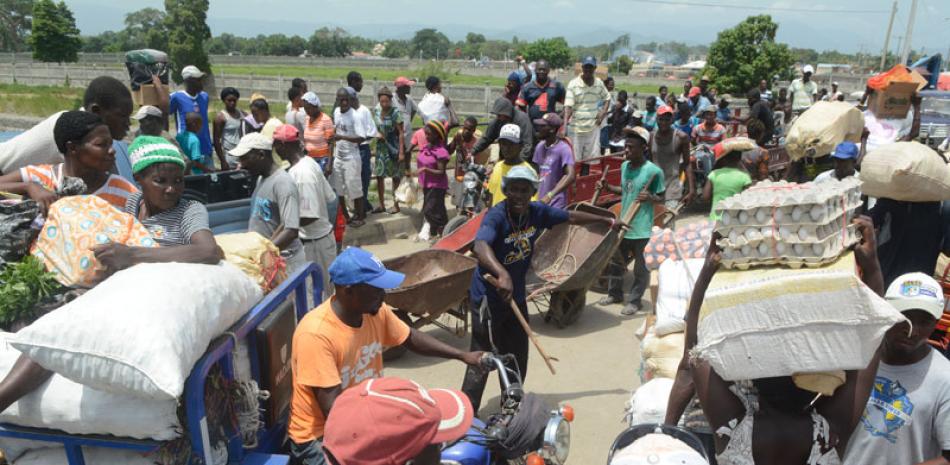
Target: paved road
x: 599, y: 358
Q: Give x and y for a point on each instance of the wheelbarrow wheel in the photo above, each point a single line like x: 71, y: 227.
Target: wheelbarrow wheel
x: 395, y: 353
x: 456, y: 222
x: 566, y: 307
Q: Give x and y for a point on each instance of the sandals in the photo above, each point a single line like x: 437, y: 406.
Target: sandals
x: 378, y: 210
x: 354, y: 223
x: 393, y: 210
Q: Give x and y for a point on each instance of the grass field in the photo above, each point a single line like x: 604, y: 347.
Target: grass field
x: 23, y: 100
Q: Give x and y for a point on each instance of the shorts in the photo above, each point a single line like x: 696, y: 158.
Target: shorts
x: 346, y: 178
x: 308, y: 453
x: 586, y: 145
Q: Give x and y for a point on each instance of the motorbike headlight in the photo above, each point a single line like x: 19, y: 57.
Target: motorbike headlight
x: 470, y: 184
x: 557, y: 440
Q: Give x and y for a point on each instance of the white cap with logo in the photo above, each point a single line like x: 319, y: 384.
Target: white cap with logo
x: 916, y: 291
x: 511, y: 133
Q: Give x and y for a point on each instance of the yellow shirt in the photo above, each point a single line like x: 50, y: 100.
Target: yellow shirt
x: 494, y: 182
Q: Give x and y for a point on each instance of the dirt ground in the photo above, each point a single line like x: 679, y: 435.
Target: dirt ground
x: 599, y: 358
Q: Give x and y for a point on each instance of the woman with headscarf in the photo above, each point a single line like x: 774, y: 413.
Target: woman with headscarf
x: 86, y: 144
x: 431, y: 163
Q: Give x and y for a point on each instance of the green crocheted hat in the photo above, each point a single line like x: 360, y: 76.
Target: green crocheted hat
x: 146, y: 151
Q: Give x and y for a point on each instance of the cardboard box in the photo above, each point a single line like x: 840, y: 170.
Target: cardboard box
x: 146, y: 94
x: 894, y: 101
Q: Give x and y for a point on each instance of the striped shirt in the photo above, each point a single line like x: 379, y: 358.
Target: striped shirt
x: 116, y: 190
x: 317, y: 134
x: 708, y: 137
x: 586, y: 102
x: 171, y: 227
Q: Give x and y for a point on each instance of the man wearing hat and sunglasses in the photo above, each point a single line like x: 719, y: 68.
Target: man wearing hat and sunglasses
x: 340, y: 344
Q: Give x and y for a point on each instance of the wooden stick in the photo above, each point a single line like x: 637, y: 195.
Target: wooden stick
x: 603, y: 176
x: 527, y: 328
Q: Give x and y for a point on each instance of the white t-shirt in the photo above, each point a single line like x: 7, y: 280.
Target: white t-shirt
x: 353, y: 123
x: 907, y: 418
x: 315, y: 192
x: 802, y: 93
x: 36, y: 146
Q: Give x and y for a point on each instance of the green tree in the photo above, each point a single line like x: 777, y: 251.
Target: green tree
x: 326, y: 42
x: 743, y: 55
x: 145, y: 28
x: 188, y: 30
x: 55, y: 37
x: 804, y: 55
x: 623, y: 65
x: 472, y: 47
x: 430, y: 43
x: 16, y: 21
x: 397, y: 49
x: 556, y: 51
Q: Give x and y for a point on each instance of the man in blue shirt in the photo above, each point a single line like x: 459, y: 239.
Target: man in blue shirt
x: 504, y: 246
x: 192, y: 99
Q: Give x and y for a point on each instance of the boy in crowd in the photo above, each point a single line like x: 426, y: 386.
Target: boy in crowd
x: 315, y: 196
x: 555, y: 160
x: 640, y: 182
x: 275, y: 203
x: 346, y: 174
x: 191, y: 145
x: 509, y: 148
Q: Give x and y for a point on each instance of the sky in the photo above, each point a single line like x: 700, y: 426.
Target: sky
x: 855, y: 25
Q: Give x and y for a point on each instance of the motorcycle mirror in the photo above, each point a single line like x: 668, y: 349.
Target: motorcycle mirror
x: 567, y: 412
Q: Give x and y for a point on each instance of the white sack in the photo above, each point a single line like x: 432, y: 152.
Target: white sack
x: 822, y: 127
x: 648, y: 402
x: 907, y: 171
x: 674, y: 290
x: 141, y: 331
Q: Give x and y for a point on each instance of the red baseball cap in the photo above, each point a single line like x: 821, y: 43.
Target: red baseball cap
x: 403, y: 81
x: 665, y: 109
x: 388, y: 421
x: 286, y: 133
x: 694, y: 91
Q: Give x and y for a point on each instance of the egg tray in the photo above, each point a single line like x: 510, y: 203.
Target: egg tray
x: 782, y: 203
x: 787, y: 233
x: 766, y: 252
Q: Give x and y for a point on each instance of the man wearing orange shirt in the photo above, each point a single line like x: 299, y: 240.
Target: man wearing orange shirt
x: 340, y: 344
x: 318, y: 132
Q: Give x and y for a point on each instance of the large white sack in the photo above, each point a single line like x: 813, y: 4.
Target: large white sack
x: 777, y: 322
x: 92, y: 455
x: 907, y: 171
x: 675, y: 288
x: 648, y: 402
x: 822, y: 127
x: 141, y: 331
x: 76, y: 409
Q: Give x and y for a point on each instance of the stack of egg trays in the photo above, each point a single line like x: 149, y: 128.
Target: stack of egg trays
x: 795, y: 225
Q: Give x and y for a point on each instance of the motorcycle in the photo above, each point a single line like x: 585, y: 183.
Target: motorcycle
x: 472, y: 199
x: 678, y: 446
x: 524, y: 431
x: 701, y: 160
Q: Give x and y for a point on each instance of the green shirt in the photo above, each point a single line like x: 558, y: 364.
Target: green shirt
x: 632, y: 181
x: 726, y: 182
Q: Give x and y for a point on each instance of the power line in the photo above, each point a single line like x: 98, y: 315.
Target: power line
x: 761, y: 8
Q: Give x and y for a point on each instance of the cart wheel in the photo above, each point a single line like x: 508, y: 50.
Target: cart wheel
x: 456, y: 222
x: 566, y: 307
x: 395, y: 353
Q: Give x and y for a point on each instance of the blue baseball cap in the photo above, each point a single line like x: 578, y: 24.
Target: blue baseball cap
x: 357, y: 266
x: 846, y: 151
x: 589, y: 60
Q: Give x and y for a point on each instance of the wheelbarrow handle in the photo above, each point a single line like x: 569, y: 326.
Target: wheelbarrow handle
x: 603, y: 177
x: 524, y: 325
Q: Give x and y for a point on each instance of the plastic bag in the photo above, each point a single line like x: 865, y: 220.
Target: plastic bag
x: 408, y: 192
x: 256, y: 256
x: 898, y: 73
x: 16, y: 219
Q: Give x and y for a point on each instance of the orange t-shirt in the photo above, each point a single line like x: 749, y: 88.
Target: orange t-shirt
x: 326, y: 353
x: 317, y: 135
x: 116, y: 189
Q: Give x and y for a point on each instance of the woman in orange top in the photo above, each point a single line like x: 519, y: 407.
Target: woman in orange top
x: 84, y: 140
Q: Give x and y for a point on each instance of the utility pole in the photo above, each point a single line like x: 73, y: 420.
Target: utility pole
x: 887, y: 38
x: 908, y: 36
x: 898, y: 51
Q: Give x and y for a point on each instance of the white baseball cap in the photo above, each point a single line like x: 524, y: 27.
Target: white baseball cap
x: 808, y: 69
x: 146, y: 111
x: 191, y: 71
x: 916, y: 291
x: 252, y: 141
x: 511, y: 133
x: 520, y: 173
x: 311, y: 98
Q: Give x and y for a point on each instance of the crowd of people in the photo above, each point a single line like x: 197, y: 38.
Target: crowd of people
x: 319, y: 161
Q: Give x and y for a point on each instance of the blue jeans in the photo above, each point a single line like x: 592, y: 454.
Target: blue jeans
x: 366, y: 172
x: 605, y: 139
